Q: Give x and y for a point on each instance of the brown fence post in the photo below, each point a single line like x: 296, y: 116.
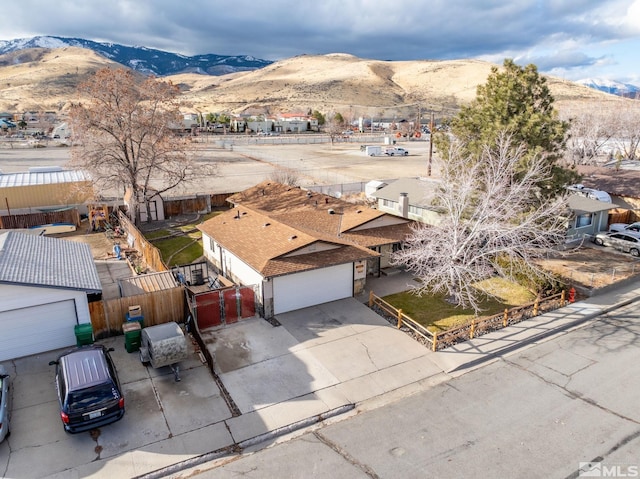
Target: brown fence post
x: 435, y: 341
x: 370, y: 299
x: 562, y: 298
x: 505, y: 318
x: 473, y: 328
x: 399, y: 318
x: 536, y: 306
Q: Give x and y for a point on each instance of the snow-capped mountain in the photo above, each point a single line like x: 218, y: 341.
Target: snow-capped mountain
x: 610, y: 86
x: 142, y: 59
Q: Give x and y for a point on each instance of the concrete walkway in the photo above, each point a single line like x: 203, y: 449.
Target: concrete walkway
x: 341, y: 357
x: 329, y: 361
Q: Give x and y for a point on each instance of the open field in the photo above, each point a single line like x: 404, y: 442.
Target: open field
x: 242, y: 163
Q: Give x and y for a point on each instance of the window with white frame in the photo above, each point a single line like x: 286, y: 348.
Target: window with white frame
x: 584, y: 220
x: 389, y: 203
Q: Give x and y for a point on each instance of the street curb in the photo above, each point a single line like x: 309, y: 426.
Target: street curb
x: 237, y: 448
x: 508, y: 349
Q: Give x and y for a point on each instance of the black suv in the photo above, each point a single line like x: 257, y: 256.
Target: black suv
x: 88, y: 389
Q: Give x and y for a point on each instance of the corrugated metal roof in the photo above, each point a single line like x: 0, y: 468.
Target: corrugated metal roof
x: 42, y: 178
x: 50, y: 262
x: 146, y: 283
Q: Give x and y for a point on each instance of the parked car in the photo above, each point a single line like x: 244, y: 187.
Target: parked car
x: 627, y: 242
x: 622, y: 227
x: 5, y: 403
x: 88, y: 389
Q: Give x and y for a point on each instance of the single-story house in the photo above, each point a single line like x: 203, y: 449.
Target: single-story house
x: 589, y: 216
x: 621, y: 184
x: 298, y: 247
x: 46, y: 285
x: 413, y: 198
x: 410, y: 198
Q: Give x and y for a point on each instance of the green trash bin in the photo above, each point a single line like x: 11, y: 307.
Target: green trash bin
x: 84, y: 334
x: 132, y: 336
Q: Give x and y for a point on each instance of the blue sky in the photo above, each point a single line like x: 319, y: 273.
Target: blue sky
x: 571, y: 39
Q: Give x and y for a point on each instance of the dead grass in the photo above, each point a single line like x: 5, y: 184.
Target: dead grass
x: 437, y: 314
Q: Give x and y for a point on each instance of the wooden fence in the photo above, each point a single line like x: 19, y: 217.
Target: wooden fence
x: 151, y: 255
x: 157, y: 307
x: 27, y: 220
x: 476, y: 327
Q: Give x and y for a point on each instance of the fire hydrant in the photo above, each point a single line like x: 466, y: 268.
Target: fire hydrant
x: 572, y: 295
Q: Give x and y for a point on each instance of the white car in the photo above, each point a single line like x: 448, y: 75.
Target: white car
x: 621, y: 227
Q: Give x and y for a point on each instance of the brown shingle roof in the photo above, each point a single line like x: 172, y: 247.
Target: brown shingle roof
x: 279, y: 229
x: 622, y: 182
x: 270, y: 246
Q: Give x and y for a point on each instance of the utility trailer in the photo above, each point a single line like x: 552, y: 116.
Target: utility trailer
x: 163, y: 345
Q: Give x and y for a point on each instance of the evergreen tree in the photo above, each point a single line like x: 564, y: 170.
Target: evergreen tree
x: 518, y: 101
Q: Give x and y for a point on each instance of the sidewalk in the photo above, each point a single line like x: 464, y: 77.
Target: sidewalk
x: 417, y: 371
x: 334, y: 360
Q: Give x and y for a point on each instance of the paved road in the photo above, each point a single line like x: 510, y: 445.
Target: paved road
x: 537, y: 413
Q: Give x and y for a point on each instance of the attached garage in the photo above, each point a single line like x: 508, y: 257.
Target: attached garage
x: 45, y: 288
x: 296, y: 291
x: 35, y: 329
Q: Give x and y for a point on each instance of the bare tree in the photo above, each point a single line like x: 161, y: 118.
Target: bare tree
x: 590, y: 131
x: 127, y: 134
x: 626, y: 139
x: 493, y: 221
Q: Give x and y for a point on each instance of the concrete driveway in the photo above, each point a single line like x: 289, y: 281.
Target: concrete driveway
x: 320, y: 359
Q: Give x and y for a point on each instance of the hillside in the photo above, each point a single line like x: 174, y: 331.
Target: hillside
x: 43, y: 79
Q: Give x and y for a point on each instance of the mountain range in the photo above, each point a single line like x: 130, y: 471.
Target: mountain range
x: 613, y: 87
x: 43, y: 75
x: 142, y: 59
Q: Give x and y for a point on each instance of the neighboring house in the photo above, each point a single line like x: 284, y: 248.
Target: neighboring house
x: 413, y: 198
x: 298, y: 247
x: 622, y: 186
x: 410, y: 198
x: 589, y: 216
x: 45, y: 287
x: 43, y: 189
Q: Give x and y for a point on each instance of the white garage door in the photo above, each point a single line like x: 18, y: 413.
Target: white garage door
x: 37, y: 329
x: 300, y: 290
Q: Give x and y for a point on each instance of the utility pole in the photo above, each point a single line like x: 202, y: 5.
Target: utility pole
x: 430, y: 145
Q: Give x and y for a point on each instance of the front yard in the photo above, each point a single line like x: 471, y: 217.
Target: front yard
x: 437, y: 314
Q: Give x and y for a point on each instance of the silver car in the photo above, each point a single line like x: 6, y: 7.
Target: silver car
x: 5, y: 403
x: 626, y: 242
x: 624, y: 227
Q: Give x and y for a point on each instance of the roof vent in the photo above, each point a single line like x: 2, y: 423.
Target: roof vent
x: 331, y: 211
x: 266, y: 224
x: 292, y: 238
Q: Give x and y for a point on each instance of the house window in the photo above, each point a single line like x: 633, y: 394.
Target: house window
x: 415, y: 210
x: 389, y: 204
x: 584, y: 220
x: 212, y: 245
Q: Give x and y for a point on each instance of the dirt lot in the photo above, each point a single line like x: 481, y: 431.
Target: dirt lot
x: 593, y: 266
x: 242, y: 166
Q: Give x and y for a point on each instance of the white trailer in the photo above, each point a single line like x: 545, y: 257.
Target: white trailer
x: 373, y: 150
